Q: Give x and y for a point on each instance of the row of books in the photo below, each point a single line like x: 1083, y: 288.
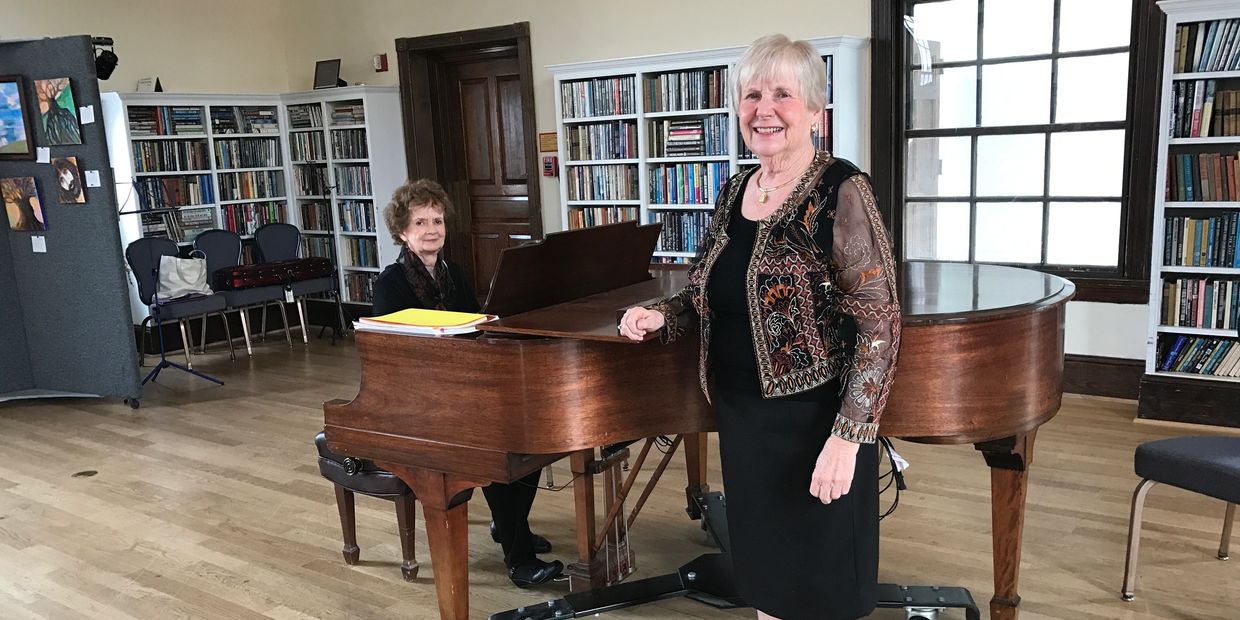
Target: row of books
x: 179, y: 226
x: 360, y: 287
x: 357, y: 216
x: 244, y: 119
x: 1199, y: 110
x: 614, y: 140
x: 1201, y: 242
x: 1200, y: 302
x: 168, y: 192
x: 253, y: 184
x: 349, y: 144
x: 597, y: 97
x: 244, y: 219
x: 165, y: 121
x: 682, y: 184
x: 689, y: 137
x: 353, y: 180
x: 361, y: 252
x: 321, y: 247
x: 247, y: 153
x: 696, y: 89
x: 306, y: 146
x: 305, y: 116
x: 316, y: 216
x: 348, y: 114
x: 585, y: 217
x: 311, y: 180
x: 1218, y: 357
x: 1203, y: 177
x: 682, y: 231
x: 170, y: 155
x: 1207, y: 46
x: 602, y: 182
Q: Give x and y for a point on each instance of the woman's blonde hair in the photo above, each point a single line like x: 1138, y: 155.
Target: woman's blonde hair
x: 776, y: 54
x: 419, y: 193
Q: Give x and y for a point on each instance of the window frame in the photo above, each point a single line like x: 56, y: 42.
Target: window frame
x: 1129, y: 281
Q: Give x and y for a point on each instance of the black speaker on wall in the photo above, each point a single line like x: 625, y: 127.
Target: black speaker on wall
x: 105, y: 60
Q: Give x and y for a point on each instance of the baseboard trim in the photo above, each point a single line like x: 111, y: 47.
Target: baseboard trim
x: 1094, y: 375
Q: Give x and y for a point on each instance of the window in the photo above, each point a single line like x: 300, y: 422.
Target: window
x: 1007, y: 133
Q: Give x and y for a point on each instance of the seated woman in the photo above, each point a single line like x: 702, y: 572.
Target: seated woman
x: 421, y: 278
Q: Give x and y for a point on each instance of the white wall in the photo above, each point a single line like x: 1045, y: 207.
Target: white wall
x: 263, y: 46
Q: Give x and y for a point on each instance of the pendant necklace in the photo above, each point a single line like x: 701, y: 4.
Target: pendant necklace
x: 763, y: 191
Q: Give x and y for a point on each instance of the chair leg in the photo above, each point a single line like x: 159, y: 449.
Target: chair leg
x: 202, y: 336
x: 142, y: 331
x: 348, y: 524
x: 232, y: 355
x: 245, y: 330
x: 288, y: 337
x: 301, y: 318
x: 1134, y: 538
x: 405, y: 511
x: 185, y: 342
x: 263, y: 336
x: 1225, y: 544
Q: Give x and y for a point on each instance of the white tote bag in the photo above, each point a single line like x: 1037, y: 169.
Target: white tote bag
x: 181, y: 277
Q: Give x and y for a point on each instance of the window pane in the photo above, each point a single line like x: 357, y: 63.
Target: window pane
x: 943, y: 98
x: 1017, y: 93
x: 1094, y: 24
x: 943, y: 31
x: 936, y: 231
x: 1087, y: 163
x: 938, y: 167
x: 1011, y: 165
x: 1083, y: 233
x: 1093, y: 88
x: 1009, y: 232
x: 1017, y: 27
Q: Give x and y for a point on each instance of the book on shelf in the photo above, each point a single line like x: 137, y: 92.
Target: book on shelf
x: 417, y: 321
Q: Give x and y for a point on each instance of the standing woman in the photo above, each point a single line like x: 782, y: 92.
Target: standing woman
x: 796, y: 294
x: 422, y: 278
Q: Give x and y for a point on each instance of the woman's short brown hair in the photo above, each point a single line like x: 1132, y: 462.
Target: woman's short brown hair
x: 419, y: 193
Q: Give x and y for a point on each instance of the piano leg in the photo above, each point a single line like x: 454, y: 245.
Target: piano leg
x: 585, y: 573
x: 445, y: 502
x: 695, y: 466
x: 1009, y: 460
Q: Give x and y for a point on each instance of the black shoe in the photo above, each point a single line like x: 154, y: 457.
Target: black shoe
x: 538, y: 543
x: 537, y: 572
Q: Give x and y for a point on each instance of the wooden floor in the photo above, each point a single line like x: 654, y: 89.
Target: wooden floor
x: 207, y: 503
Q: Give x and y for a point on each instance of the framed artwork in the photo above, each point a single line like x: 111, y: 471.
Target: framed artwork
x: 16, y: 132
x: 58, y: 112
x: 68, y: 180
x: 23, y: 204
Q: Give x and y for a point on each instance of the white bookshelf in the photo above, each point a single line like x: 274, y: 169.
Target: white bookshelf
x: 1171, y: 260
x: 845, y: 105
x: 384, y: 161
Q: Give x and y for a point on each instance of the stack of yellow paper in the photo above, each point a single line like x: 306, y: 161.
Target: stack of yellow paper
x: 417, y: 321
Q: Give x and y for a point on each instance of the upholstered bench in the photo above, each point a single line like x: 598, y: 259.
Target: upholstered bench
x: 1201, y: 464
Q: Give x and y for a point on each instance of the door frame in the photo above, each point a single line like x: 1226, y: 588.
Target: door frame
x: 421, y: 62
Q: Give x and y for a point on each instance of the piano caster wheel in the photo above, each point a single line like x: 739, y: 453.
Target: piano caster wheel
x: 133, y: 403
x: 1126, y: 597
x: 922, y: 613
x: 351, y: 554
x: 409, y: 571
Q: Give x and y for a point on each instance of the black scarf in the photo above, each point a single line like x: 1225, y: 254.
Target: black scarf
x: 437, y: 293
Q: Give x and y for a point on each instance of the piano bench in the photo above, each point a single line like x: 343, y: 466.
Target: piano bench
x: 351, y: 475
x: 1202, y: 464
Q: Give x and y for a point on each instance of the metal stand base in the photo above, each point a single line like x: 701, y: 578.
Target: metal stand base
x: 164, y: 363
x: 708, y: 579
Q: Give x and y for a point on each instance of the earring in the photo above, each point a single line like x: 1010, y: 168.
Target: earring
x: 814, y: 128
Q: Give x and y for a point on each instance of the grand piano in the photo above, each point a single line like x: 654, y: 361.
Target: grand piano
x: 981, y: 362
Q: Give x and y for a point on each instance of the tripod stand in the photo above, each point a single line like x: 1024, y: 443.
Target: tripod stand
x: 163, y: 351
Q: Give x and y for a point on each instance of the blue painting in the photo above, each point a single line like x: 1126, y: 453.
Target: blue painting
x: 15, y: 136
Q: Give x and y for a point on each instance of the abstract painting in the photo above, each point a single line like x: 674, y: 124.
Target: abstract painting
x: 58, y: 112
x: 22, y: 203
x: 16, y: 137
x: 68, y: 180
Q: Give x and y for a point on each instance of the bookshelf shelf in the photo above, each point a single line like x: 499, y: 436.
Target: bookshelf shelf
x: 170, y: 173
x: 365, y: 269
x: 1195, y: 231
x: 676, y: 109
x: 240, y: 201
x: 195, y: 136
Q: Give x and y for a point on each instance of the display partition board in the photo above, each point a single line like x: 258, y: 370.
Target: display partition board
x: 64, y: 314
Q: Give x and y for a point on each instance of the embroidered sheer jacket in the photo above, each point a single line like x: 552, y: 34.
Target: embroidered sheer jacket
x: 821, y: 293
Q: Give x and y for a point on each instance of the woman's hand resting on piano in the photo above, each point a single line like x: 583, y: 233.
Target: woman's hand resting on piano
x: 638, y: 321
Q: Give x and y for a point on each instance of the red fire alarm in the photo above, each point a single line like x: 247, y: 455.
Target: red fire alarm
x: 551, y: 166
x: 380, y: 62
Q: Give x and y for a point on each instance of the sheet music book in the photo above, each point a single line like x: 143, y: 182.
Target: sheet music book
x: 416, y: 321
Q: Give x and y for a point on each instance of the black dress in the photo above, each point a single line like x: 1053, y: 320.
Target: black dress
x: 793, y: 557
x: 450, y: 290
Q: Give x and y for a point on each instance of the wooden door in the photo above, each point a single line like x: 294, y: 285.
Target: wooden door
x: 491, y: 184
